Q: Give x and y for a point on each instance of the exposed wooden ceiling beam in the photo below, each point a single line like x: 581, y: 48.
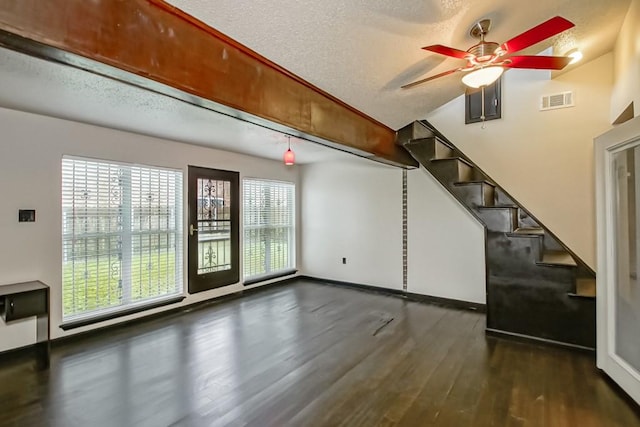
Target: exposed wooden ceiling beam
x: 154, y: 40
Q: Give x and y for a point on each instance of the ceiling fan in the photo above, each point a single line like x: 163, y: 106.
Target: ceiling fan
x: 486, y: 61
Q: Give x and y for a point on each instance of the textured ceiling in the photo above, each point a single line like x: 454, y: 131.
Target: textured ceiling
x: 362, y: 51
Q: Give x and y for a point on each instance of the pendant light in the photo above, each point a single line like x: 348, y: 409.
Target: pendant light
x: 289, y: 156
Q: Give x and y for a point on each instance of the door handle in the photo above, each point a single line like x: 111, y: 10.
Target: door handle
x: 192, y: 230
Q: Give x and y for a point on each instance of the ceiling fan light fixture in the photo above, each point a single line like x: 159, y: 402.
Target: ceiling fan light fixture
x: 482, y: 76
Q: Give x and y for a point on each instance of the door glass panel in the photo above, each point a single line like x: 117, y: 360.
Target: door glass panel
x: 214, y: 250
x: 627, y: 293
x: 214, y: 225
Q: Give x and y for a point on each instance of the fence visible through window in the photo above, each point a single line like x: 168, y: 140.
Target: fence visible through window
x: 269, y: 227
x: 214, y: 225
x: 121, y: 235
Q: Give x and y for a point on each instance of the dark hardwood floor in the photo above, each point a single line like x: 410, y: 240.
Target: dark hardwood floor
x: 310, y: 355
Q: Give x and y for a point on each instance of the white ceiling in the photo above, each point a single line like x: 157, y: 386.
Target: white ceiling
x: 360, y: 51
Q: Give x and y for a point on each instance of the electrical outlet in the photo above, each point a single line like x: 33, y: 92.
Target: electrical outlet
x: 344, y: 260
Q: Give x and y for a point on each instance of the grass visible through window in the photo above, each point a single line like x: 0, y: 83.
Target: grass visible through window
x: 98, y: 285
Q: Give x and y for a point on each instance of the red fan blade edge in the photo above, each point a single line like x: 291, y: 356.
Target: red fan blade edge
x: 538, y: 62
x: 447, y: 51
x: 537, y: 34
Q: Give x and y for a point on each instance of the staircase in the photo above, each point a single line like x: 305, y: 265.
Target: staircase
x: 536, y: 286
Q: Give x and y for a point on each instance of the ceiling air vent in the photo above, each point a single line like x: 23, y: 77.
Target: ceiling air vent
x: 557, y: 100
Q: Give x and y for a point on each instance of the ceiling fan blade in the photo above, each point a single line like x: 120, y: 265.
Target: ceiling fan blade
x: 537, y: 62
x: 416, y: 83
x: 537, y: 34
x: 447, y: 51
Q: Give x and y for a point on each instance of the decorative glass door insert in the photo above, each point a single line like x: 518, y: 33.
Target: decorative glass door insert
x: 213, y: 228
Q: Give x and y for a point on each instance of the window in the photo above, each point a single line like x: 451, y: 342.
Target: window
x: 269, y: 228
x: 492, y: 103
x: 121, y: 237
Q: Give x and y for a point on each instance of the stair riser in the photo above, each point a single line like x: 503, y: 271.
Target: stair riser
x: 563, y: 276
x: 447, y: 172
x: 503, y: 220
x: 428, y: 149
x: 517, y: 256
x: 488, y: 194
x: 523, y: 249
x: 551, y: 244
x: 413, y: 131
x: 502, y: 198
x: 465, y: 172
x: 524, y: 220
x: 422, y: 151
x: 479, y: 194
x: 442, y: 151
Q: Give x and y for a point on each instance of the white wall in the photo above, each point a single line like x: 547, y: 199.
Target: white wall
x: 445, y: 244
x: 352, y: 209
x: 31, y: 149
x: 543, y: 158
x: 626, y: 55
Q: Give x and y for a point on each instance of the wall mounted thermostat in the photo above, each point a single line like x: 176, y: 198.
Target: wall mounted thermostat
x: 27, y: 215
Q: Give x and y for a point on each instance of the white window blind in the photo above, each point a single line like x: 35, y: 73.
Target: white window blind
x: 269, y: 227
x: 121, y: 236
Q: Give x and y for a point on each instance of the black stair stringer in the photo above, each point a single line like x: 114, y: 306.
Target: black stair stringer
x: 531, y: 275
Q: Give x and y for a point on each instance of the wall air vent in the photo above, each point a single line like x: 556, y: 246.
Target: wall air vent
x: 557, y: 100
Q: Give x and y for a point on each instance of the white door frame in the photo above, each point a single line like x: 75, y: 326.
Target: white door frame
x: 617, y: 139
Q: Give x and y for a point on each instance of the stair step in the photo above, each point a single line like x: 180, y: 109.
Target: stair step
x: 450, y: 169
x: 428, y: 148
x: 558, y: 258
x: 498, y: 207
x: 430, y: 139
x: 412, y: 131
x: 481, y: 181
x: 460, y: 159
x: 529, y: 231
x: 585, y: 287
x: 475, y: 193
x: 502, y: 219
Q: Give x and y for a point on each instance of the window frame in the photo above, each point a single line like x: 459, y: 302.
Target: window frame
x: 292, y: 230
x: 173, y: 231
x: 492, y: 103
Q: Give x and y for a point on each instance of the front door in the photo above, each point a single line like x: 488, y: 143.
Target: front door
x: 618, y: 203
x: 213, y: 228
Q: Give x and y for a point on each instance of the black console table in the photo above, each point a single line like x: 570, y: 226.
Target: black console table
x: 22, y: 300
